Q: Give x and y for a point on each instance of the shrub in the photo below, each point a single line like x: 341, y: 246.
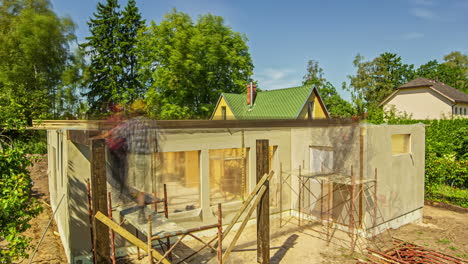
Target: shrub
x: 17, y: 206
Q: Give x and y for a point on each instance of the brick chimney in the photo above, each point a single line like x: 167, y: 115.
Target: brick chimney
x: 251, y: 93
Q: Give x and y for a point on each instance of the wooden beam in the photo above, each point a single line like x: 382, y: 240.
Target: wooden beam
x: 99, y: 199
x: 263, y: 208
x: 128, y: 236
x: 191, y: 124
x: 246, y: 203
x: 244, y: 222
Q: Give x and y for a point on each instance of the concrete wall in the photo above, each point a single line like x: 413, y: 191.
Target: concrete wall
x: 58, y: 184
x: 400, y: 177
x: 421, y: 103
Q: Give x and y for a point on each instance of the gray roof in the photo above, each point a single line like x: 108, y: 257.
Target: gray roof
x: 450, y: 92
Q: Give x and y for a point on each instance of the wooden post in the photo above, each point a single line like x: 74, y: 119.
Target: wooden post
x: 220, y: 235
x: 138, y: 249
x: 99, y: 199
x: 281, y: 194
x: 300, y: 196
x: 166, y: 214
x: 374, y: 217
x: 362, y: 133
x: 150, y: 234
x: 263, y: 208
x: 352, y: 206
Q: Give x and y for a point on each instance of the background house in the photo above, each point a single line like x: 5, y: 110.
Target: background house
x: 428, y: 99
x: 302, y: 102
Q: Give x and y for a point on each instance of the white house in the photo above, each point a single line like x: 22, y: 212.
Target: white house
x: 428, y: 99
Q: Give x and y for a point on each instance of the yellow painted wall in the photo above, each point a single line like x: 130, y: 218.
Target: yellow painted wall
x: 318, y: 112
x: 218, y: 111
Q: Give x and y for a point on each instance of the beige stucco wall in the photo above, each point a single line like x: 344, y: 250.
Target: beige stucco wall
x: 421, y: 103
x: 461, y: 110
x: 58, y: 183
x: 400, y: 177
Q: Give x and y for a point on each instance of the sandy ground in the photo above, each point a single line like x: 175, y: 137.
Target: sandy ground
x: 442, y: 229
x: 50, y: 250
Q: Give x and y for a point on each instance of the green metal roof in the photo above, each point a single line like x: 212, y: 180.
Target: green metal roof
x: 275, y: 104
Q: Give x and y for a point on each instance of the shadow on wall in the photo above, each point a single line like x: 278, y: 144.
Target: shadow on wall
x: 78, y: 211
x: 345, y: 143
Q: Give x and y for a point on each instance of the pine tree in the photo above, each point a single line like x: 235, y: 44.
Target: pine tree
x: 105, y: 67
x: 131, y: 23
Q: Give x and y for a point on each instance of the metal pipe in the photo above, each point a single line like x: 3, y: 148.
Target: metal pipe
x: 178, y: 233
x: 47, y: 227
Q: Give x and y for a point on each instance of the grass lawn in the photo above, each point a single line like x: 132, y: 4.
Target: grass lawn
x: 451, y: 195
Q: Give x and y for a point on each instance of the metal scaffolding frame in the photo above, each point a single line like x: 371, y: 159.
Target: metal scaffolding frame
x: 351, y: 219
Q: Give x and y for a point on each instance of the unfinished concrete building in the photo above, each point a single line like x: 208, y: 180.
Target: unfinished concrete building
x: 318, y: 166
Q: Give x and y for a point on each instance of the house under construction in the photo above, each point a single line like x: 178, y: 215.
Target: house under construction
x: 358, y: 178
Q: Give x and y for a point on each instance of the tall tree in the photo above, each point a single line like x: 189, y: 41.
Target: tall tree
x: 314, y: 74
x: 453, y: 71
x: 105, y: 67
x: 376, y: 79
x: 336, y: 105
x: 67, y: 99
x: 131, y: 24
x: 33, y: 55
x: 188, y: 65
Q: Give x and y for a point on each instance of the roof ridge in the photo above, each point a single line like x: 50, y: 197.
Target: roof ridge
x: 294, y: 87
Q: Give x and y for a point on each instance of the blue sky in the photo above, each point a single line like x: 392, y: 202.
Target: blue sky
x: 284, y: 35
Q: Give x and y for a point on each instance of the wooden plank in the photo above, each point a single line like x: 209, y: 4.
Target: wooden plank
x: 265, y: 177
x: 244, y: 222
x: 128, y: 236
x: 263, y: 208
x: 99, y: 199
x: 188, y: 124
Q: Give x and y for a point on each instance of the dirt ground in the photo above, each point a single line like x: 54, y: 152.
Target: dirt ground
x: 50, y: 250
x: 442, y: 229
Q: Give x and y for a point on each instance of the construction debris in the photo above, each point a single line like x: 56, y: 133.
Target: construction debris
x: 408, y: 253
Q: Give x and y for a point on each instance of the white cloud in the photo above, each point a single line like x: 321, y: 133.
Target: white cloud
x: 423, y: 2
x: 412, y: 35
x: 270, y: 79
x: 422, y: 13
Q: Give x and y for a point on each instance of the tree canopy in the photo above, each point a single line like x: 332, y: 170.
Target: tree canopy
x: 187, y: 65
x: 376, y: 79
x: 336, y: 105
x: 33, y: 55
